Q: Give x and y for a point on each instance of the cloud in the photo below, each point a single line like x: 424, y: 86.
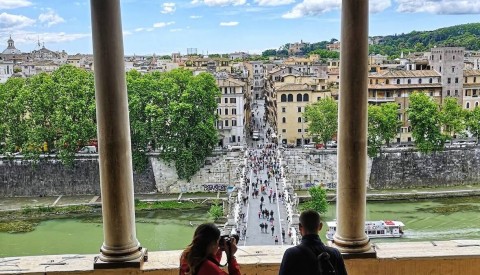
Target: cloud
x: 439, y: 6
x: 176, y: 30
x: 27, y: 37
x: 50, y: 18
x: 219, y: 2
x: 312, y: 8
x: 376, y: 6
x: 228, y: 24
x: 168, y: 8
x: 315, y: 7
x: 12, y: 21
x: 163, y: 24
x: 195, y: 16
x: 13, y: 4
x: 125, y: 33
x: 273, y: 2
x: 139, y: 29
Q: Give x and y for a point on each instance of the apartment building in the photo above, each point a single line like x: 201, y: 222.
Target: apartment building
x: 231, y: 110
x: 256, y: 75
x: 471, y: 89
x: 396, y: 86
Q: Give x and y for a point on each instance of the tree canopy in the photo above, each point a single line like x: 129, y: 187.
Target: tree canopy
x: 323, y: 119
x: 172, y: 112
x: 425, y: 119
x: 383, y: 123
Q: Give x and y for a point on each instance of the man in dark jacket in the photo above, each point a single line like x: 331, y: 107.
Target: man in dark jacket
x: 302, y: 259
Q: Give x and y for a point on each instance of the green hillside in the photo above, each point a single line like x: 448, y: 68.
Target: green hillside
x: 467, y: 35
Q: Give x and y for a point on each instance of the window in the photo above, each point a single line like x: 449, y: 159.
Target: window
x: 440, y: 69
x: 219, y: 100
x: 419, y: 81
x: 233, y: 100
x: 299, y: 130
x: 318, y: 98
x: 398, y: 81
x: 232, y: 138
x: 234, y: 111
x: 283, y: 98
x: 376, y: 81
x: 284, y: 109
x: 305, y: 97
x: 456, y: 79
x: 409, y: 81
x: 225, y: 90
x: 299, y: 119
x: 474, y: 79
x: 456, y: 92
x: 226, y: 100
x: 449, y: 80
x: 387, y: 81
x: 431, y: 80
x: 226, y: 123
x: 448, y: 92
x: 284, y: 130
x: 453, y: 69
x: 299, y: 109
x: 305, y: 130
x: 290, y: 98
x: 219, y: 111
x: 226, y: 111
x: 431, y: 93
x: 299, y: 97
x: 284, y: 120
x: 234, y: 122
x: 476, y: 104
x: 468, y: 105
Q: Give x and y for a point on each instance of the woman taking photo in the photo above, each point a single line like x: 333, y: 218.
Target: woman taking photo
x: 203, y: 255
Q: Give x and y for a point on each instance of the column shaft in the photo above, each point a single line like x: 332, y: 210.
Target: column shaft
x: 352, y: 132
x: 115, y: 159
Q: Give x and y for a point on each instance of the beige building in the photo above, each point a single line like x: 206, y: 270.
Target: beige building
x: 209, y: 64
x: 231, y: 111
x: 396, y: 86
x: 471, y: 89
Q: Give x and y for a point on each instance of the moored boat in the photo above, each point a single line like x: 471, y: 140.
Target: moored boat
x: 373, y: 229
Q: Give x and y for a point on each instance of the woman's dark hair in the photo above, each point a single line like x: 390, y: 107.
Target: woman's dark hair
x: 197, y: 251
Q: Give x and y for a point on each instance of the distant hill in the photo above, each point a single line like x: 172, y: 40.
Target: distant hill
x: 467, y: 35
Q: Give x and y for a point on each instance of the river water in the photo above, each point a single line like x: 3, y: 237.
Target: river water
x: 445, y: 219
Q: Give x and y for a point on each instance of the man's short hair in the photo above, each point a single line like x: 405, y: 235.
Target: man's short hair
x: 310, y: 220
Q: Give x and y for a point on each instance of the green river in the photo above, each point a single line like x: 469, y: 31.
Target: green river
x: 445, y: 219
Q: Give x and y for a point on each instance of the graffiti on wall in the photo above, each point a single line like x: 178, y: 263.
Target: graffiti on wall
x: 214, y: 187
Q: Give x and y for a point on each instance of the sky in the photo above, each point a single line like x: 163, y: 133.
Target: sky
x: 216, y: 26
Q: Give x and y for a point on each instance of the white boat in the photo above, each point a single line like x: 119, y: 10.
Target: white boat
x: 375, y: 229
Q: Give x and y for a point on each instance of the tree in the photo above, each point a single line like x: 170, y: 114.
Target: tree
x: 452, y: 117
x: 13, y: 127
x: 473, y: 122
x: 269, y: 52
x: 216, y: 210
x: 374, y: 125
x: 174, y: 112
x: 323, y: 118
x: 318, y: 201
x: 425, y: 120
x: 382, y: 126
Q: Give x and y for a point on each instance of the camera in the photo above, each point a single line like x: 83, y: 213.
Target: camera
x: 227, y: 239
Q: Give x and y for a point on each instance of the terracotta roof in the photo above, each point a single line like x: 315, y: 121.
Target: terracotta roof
x: 227, y: 82
x: 401, y: 73
x: 294, y: 87
x: 471, y: 73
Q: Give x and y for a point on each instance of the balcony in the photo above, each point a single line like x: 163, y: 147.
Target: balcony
x: 381, y: 99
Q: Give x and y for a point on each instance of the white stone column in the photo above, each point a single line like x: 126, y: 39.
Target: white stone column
x: 115, y: 160
x: 350, y: 236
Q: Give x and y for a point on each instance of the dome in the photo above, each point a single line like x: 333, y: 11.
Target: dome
x: 11, y: 48
x: 11, y: 51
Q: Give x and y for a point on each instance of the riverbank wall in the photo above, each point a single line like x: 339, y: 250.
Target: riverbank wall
x: 49, y: 177
x: 392, y: 169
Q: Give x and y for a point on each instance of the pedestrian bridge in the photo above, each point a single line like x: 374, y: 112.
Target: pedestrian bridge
x: 412, y: 258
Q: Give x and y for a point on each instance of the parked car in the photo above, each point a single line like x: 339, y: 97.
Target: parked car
x: 88, y: 150
x: 309, y: 146
x: 331, y: 144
